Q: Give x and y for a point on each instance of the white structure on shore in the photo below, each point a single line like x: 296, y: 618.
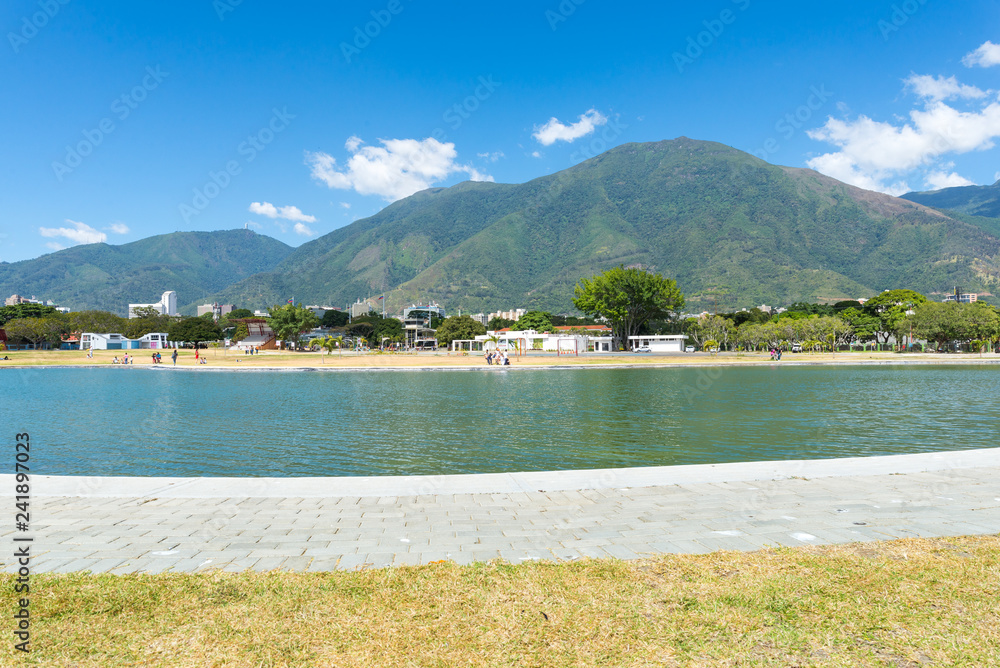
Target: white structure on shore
x: 166, y: 306
x: 562, y: 342
x: 114, y: 341
x: 659, y: 343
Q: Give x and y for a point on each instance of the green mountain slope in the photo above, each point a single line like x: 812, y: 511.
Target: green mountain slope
x: 731, y: 228
x: 99, y: 276
x: 973, y: 200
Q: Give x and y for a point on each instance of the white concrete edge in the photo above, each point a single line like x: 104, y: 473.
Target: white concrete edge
x: 495, y: 483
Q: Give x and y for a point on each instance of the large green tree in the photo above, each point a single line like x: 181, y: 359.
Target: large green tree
x: 335, y: 318
x: 538, y: 321
x: 628, y: 298
x: 290, y: 321
x: 96, y: 321
x: 8, y: 313
x: 194, y: 330
x: 497, y: 322
x: 36, y: 330
x: 459, y: 327
x: 891, y: 308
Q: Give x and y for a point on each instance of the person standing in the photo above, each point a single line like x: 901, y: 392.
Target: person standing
x: 174, y: 357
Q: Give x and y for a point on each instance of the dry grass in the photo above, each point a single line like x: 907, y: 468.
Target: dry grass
x: 277, y: 359
x: 904, y: 603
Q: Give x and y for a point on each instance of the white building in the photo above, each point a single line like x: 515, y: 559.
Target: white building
x: 528, y: 340
x: 114, y: 341
x: 360, y: 308
x: 166, y: 306
x: 659, y: 343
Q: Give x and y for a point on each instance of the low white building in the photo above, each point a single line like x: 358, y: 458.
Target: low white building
x: 659, y: 343
x: 563, y: 343
x: 115, y: 341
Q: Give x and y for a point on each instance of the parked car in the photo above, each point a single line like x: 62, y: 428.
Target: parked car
x: 689, y: 349
x: 643, y: 349
x: 796, y: 347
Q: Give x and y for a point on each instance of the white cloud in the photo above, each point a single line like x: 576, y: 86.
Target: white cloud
x: 554, y: 130
x: 80, y: 233
x: 55, y: 246
x: 285, y: 212
x: 396, y: 169
x: 119, y: 228
x: 879, y: 155
x: 492, y: 157
x: 942, y: 179
x: 941, y: 88
x: 352, y: 143
x: 346, y: 205
x: 300, y: 228
x: 536, y: 154
x: 996, y: 176
x: 987, y: 55
x: 254, y: 225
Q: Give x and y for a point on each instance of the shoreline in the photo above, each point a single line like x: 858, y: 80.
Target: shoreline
x: 287, y: 361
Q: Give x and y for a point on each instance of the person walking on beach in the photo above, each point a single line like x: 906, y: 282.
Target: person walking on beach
x: 174, y: 356
x: 489, y: 358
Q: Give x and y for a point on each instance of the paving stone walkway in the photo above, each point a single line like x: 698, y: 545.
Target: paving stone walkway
x: 127, y: 525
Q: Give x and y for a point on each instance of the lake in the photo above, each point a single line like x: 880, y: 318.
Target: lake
x: 138, y: 421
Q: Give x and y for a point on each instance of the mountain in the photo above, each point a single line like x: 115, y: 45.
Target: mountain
x: 731, y: 228
x: 972, y: 200
x: 99, y: 276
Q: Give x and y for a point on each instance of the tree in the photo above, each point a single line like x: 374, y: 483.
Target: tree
x: 713, y: 327
x: 194, y: 330
x: 538, y: 321
x: 290, y: 321
x: 238, y: 313
x: 148, y: 320
x: 863, y: 326
x: 459, y: 327
x: 36, y: 330
x: 627, y: 299
x: 96, y: 321
x: 890, y: 308
x: 242, y: 332
x: 8, y: 313
x: 335, y: 319
x: 496, y: 323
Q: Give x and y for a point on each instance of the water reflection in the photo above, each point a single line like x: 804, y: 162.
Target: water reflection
x: 127, y: 421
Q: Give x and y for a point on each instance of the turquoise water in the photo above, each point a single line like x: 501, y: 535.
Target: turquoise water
x: 167, y: 422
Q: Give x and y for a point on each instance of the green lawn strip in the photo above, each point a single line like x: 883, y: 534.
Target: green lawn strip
x: 899, y: 603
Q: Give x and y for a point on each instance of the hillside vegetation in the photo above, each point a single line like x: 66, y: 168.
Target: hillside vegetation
x: 108, y: 278
x: 732, y: 229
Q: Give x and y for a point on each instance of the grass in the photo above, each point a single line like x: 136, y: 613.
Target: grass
x: 909, y: 602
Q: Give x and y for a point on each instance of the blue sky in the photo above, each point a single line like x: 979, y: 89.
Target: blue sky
x: 126, y: 120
